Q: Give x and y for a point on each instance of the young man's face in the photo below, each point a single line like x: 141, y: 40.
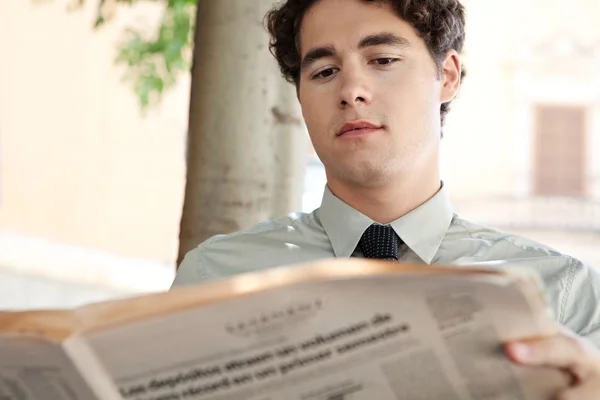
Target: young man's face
x: 365, y: 67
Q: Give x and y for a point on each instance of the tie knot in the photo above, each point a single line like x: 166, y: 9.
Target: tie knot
x: 380, y: 241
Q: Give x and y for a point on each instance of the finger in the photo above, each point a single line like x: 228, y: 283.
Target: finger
x: 560, y: 351
x: 586, y: 391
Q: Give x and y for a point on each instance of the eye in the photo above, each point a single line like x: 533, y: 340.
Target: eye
x: 326, y: 73
x: 385, y: 61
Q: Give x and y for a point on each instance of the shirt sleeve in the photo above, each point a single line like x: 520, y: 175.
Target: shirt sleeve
x: 189, y: 271
x: 581, y: 312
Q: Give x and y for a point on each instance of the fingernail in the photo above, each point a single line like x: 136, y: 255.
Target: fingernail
x: 522, y: 352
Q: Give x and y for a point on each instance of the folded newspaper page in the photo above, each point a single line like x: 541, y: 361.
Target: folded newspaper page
x: 330, y: 330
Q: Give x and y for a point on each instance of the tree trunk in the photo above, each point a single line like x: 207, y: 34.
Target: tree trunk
x: 291, y: 152
x: 244, y: 128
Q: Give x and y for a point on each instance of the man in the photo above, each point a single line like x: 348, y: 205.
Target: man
x: 375, y: 80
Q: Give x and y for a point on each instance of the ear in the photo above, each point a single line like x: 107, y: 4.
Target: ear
x: 450, y: 79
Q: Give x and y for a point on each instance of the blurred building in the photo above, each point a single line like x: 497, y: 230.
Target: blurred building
x: 91, y: 190
x: 522, y: 149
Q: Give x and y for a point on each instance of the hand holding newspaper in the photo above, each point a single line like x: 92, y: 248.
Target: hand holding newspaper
x: 330, y: 330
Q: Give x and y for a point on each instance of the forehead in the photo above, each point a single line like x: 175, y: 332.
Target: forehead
x: 343, y: 22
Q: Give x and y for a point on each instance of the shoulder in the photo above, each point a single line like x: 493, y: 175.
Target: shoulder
x: 571, y: 285
x: 468, y: 243
x: 266, y: 234
x: 282, y: 241
x: 485, y: 239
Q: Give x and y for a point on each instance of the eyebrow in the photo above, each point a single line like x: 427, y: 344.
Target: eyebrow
x: 377, y: 39
x: 315, y: 55
x: 385, y: 38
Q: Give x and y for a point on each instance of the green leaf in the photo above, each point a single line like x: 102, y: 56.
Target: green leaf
x: 153, y: 64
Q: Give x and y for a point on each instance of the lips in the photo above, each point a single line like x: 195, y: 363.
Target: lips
x: 358, y: 127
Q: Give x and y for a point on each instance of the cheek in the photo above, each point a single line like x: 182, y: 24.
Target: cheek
x: 410, y: 99
x: 412, y: 85
x: 315, y: 115
x: 308, y: 113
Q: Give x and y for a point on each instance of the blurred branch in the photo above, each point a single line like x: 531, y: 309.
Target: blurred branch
x: 153, y: 64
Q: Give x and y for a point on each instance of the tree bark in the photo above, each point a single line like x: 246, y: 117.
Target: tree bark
x: 244, y: 128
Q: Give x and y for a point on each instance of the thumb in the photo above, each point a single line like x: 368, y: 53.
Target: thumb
x: 560, y: 351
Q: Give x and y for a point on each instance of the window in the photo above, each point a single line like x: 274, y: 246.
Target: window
x: 559, y: 159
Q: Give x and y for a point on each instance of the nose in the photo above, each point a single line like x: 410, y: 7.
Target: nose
x: 355, y: 90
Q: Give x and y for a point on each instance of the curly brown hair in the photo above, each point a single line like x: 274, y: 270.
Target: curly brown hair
x: 440, y: 23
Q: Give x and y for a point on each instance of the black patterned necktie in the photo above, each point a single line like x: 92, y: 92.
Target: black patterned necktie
x: 381, y: 242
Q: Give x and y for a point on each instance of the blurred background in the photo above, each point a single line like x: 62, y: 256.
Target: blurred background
x: 94, y: 137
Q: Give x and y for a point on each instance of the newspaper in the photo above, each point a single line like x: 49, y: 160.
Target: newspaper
x: 331, y: 330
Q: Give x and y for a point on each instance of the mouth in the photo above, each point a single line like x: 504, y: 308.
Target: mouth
x: 358, y: 128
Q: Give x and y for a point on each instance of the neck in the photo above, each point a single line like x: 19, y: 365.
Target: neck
x: 387, y: 203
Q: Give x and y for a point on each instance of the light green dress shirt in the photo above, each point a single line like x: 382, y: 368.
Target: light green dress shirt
x: 432, y: 234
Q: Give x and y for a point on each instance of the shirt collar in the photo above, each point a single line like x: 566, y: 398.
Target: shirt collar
x: 422, y: 229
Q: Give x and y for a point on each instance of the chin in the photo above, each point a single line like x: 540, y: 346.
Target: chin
x: 365, y: 174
